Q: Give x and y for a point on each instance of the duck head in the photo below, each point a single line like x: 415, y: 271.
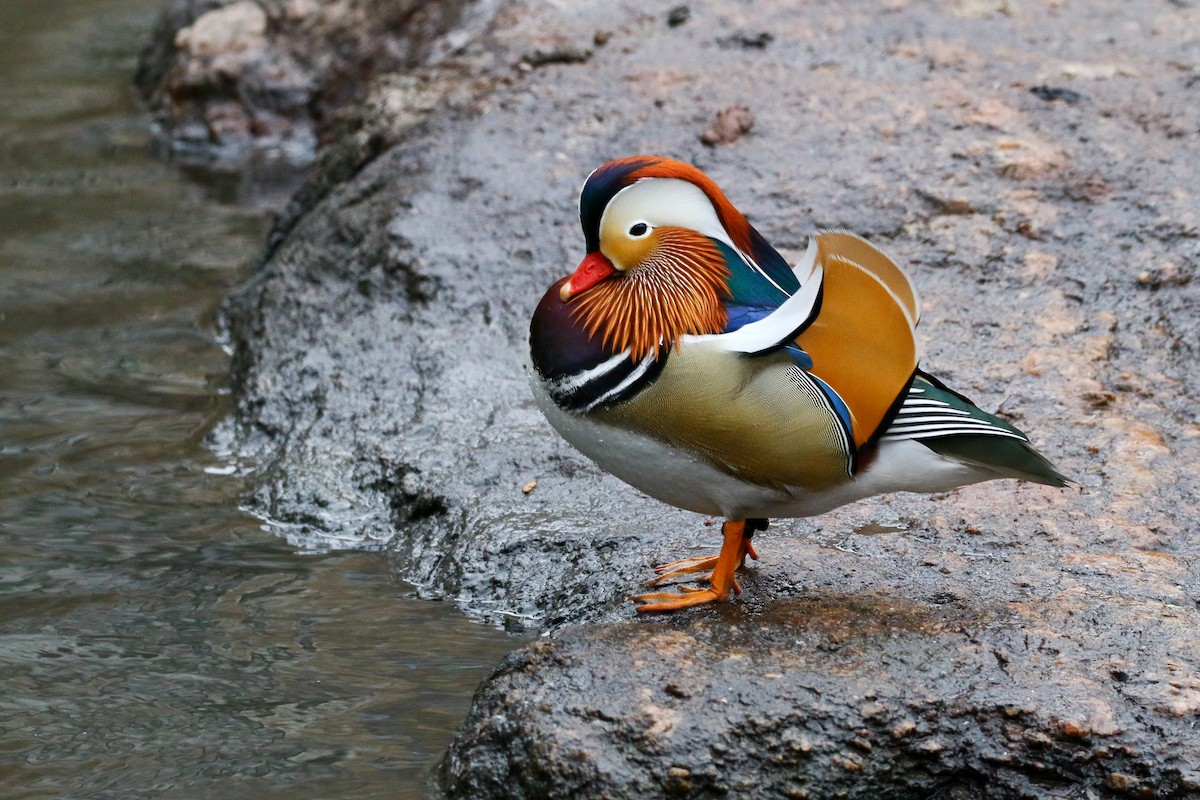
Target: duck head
x: 659, y: 236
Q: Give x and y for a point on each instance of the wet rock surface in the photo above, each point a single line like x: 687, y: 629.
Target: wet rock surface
x: 854, y: 692
x: 1035, y: 167
x: 240, y: 80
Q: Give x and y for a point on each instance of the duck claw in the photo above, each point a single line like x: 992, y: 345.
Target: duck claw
x: 695, y: 565
x: 672, y: 601
x: 687, y: 566
x: 718, y: 571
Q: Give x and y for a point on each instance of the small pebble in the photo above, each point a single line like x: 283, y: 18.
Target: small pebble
x: 1052, y: 93
x: 732, y: 124
x: 678, y: 15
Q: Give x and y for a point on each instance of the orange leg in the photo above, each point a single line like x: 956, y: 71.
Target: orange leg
x: 686, y: 566
x: 734, y: 549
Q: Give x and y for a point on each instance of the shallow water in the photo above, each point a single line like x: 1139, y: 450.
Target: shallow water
x: 154, y: 639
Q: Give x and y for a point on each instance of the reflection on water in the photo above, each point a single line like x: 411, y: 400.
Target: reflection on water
x: 154, y: 641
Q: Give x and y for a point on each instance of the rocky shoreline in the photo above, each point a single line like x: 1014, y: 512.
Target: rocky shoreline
x: 1034, y: 166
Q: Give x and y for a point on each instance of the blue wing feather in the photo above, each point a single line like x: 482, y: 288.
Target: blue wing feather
x: 755, y: 293
x: 803, y: 360
x: 772, y: 263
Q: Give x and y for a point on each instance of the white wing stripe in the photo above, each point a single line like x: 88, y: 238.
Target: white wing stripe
x: 948, y: 429
x: 964, y: 424
x: 927, y: 418
x: 919, y: 403
x: 941, y: 420
x: 754, y: 266
x: 773, y: 330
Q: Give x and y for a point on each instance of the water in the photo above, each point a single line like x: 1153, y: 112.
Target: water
x: 155, y: 641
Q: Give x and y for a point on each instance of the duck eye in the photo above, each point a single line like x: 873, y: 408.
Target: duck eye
x: 638, y: 229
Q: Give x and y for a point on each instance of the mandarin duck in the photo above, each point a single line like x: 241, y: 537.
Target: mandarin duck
x: 685, y: 357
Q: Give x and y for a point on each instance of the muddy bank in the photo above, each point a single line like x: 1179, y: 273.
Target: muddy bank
x: 1033, y: 165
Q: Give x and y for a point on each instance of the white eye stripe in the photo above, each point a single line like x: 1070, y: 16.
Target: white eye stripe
x: 666, y: 201
x: 671, y: 202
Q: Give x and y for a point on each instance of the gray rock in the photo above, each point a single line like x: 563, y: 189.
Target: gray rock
x: 247, y: 80
x: 859, y: 693
x: 1006, y: 640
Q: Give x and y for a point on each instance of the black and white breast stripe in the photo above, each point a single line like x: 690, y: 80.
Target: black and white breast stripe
x: 605, y: 384
x: 927, y: 418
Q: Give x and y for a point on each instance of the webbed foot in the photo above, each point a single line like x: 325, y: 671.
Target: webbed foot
x: 720, y: 568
